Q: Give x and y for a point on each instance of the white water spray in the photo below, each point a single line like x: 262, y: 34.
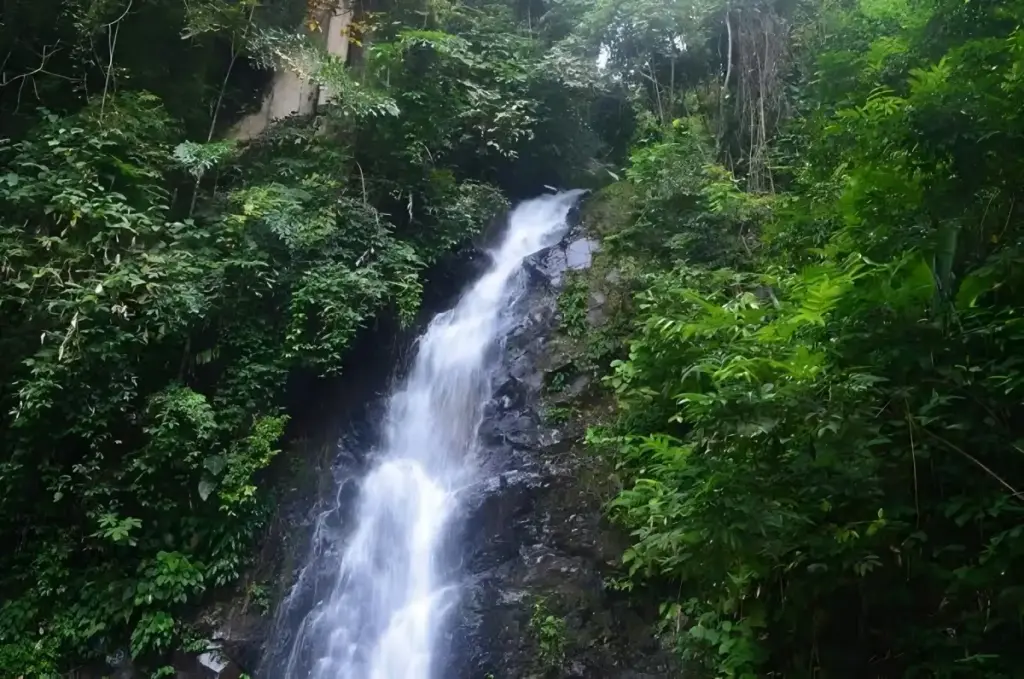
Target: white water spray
x: 383, y: 617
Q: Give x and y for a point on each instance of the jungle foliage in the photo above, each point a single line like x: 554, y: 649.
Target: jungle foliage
x: 821, y: 433
x: 161, y: 278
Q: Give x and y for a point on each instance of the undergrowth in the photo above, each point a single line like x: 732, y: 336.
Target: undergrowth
x: 819, y: 417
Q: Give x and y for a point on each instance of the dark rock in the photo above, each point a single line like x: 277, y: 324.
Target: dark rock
x: 550, y: 265
x: 596, y: 312
x: 538, y: 530
x: 533, y: 527
x: 576, y: 387
x: 241, y: 639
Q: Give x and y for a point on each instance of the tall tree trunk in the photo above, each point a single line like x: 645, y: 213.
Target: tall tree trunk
x: 724, y: 92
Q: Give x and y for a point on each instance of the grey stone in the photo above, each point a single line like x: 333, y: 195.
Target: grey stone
x: 580, y: 253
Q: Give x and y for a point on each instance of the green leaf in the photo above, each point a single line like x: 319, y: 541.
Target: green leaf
x: 973, y: 287
x: 206, y: 486
x: 215, y: 464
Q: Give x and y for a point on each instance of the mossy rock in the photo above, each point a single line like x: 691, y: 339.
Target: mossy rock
x: 609, y: 210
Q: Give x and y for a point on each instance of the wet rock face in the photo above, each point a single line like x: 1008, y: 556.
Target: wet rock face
x: 532, y: 528
x: 534, y: 531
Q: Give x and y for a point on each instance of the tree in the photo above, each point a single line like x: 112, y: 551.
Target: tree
x: 818, y: 407
x: 159, y: 285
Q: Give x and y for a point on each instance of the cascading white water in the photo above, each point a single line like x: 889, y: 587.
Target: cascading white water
x: 382, y: 619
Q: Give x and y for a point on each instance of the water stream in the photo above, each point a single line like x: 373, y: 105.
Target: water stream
x: 396, y: 575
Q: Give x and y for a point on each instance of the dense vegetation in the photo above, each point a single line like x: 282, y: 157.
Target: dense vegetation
x: 819, y: 428
x: 162, y: 278
x: 820, y: 423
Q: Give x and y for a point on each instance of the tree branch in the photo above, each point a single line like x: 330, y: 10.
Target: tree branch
x: 4, y: 81
x: 112, y: 46
x: 976, y: 461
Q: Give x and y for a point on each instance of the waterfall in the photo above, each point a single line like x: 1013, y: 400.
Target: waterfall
x: 394, y: 583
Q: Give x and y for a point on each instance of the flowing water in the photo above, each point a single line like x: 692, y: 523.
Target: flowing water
x: 394, y: 583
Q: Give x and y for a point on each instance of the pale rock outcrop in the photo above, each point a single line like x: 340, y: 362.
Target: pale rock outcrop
x: 294, y: 93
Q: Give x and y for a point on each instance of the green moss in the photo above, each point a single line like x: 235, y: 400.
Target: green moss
x: 609, y: 210
x: 557, y: 414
